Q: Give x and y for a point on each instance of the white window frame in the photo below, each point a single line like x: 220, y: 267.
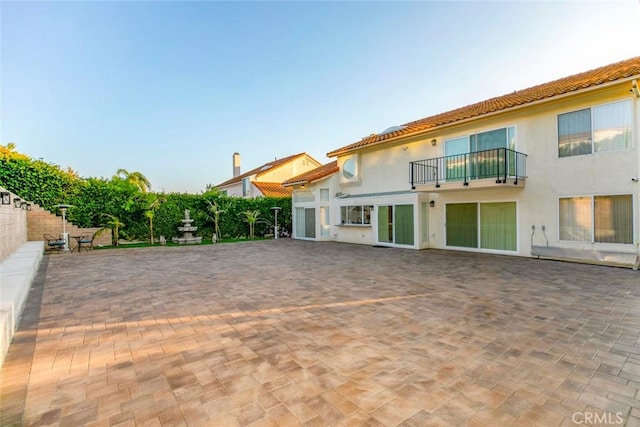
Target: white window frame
x: 592, y: 224
x: 364, y: 222
x: 591, y: 109
x: 469, y: 135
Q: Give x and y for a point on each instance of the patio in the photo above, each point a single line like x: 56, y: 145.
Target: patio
x: 284, y: 332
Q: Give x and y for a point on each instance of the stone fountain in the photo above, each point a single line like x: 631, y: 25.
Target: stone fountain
x: 187, y: 231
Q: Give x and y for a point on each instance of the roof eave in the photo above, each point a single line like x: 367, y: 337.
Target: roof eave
x: 291, y: 184
x: 341, y: 152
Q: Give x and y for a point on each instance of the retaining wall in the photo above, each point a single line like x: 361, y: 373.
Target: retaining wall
x: 13, y: 228
x: 40, y: 221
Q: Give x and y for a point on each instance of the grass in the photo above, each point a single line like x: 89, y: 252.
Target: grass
x: 170, y: 243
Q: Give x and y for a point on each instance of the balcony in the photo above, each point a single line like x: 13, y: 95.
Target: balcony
x: 495, y: 168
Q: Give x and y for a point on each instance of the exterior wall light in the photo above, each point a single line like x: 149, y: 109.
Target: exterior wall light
x: 6, y: 197
x: 432, y: 203
x: 17, y: 202
x: 434, y: 142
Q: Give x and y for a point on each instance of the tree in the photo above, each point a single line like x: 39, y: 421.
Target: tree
x: 251, y: 217
x: 136, y: 178
x: 153, y: 202
x: 216, y: 212
x: 114, y: 224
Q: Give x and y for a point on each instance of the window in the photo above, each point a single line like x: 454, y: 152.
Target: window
x: 324, y: 194
x: 356, y: 215
x: 613, y: 219
x: 603, y: 219
x: 349, y: 169
x: 325, y: 224
x: 575, y: 218
x: 303, y: 196
x: 593, y: 130
x: 246, y: 184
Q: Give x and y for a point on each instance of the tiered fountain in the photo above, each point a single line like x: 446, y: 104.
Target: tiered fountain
x: 187, y: 230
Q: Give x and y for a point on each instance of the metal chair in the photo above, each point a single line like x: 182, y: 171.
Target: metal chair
x: 54, y: 244
x: 85, y: 241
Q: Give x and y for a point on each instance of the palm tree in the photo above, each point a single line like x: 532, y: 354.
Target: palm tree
x: 135, y: 178
x: 251, y: 217
x: 216, y: 211
x: 153, y: 202
x: 115, y: 225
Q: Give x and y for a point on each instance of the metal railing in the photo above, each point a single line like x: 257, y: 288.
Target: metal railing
x: 498, y: 163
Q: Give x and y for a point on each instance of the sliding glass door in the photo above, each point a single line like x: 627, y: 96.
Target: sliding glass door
x: 305, y: 222
x: 395, y: 224
x: 498, y: 226
x: 482, y: 225
x: 462, y: 225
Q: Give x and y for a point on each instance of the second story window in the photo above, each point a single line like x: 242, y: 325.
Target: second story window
x: 592, y: 130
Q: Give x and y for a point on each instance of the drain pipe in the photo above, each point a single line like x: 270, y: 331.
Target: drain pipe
x: 533, y: 231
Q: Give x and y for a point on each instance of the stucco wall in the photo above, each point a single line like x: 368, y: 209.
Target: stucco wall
x: 549, y: 177
x: 13, y: 228
x: 288, y: 170
x: 331, y: 184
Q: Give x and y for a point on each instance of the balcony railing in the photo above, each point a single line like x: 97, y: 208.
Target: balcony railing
x: 498, y: 163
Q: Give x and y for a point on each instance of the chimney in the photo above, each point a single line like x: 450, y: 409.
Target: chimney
x: 236, y: 164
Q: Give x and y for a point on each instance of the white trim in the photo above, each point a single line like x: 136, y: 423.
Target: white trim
x: 592, y: 197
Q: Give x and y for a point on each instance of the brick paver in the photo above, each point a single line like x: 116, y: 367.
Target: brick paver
x: 281, y: 333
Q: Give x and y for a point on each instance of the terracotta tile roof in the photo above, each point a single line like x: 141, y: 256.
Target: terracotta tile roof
x: 314, y: 174
x: 262, y: 169
x: 609, y: 73
x: 272, y: 189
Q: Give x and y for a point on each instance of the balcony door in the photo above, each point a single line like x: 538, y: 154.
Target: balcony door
x: 476, y: 156
x: 456, y: 162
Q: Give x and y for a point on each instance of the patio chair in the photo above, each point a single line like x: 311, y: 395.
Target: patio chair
x: 85, y: 241
x: 54, y: 244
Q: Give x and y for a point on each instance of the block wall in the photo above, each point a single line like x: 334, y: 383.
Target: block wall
x: 13, y: 228
x: 41, y: 221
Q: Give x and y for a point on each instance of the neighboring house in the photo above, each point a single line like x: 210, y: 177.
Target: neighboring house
x: 551, y: 170
x: 266, y: 180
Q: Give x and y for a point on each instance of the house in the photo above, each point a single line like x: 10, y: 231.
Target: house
x: 266, y: 180
x: 311, y: 212
x: 549, y: 171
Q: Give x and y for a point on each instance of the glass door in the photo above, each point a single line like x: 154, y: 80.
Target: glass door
x: 385, y: 224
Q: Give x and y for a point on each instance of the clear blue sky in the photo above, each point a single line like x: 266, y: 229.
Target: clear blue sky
x: 172, y: 89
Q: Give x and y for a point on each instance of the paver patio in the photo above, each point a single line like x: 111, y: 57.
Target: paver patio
x: 282, y: 333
